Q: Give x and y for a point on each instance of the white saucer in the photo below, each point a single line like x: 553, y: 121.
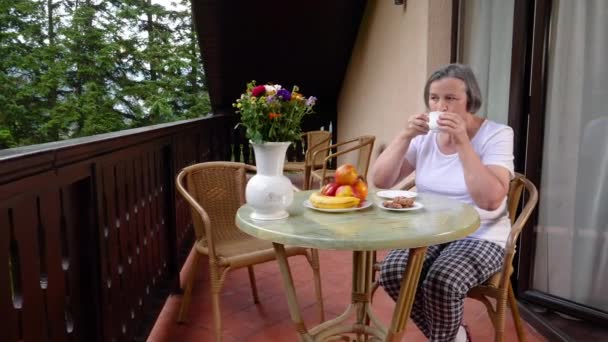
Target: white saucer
x: 390, y: 194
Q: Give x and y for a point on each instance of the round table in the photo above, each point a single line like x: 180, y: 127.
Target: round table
x: 363, y: 231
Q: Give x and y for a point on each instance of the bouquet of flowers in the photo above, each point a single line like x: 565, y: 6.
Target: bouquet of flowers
x: 272, y: 113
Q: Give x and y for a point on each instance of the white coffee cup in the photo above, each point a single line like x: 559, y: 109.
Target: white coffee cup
x: 433, y: 116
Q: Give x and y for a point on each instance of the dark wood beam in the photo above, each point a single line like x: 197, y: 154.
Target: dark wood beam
x: 308, y: 44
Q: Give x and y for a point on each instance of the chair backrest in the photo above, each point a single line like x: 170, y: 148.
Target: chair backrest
x: 366, y: 143
x: 315, y: 140
x: 516, y: 192
x: 215, y: 191
x: 363, y: 145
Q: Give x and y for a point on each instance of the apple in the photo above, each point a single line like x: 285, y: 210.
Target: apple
x: 329, y: 189
x: 361, y: 190
x: 345, y: 191
x: 346, y: 174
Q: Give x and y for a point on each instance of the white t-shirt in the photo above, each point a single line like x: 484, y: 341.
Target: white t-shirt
x: 442, y: 174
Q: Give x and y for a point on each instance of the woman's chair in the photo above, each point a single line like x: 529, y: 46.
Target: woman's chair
x: 215, y: 190
x: 311, y: 141
x: 363, y: 145
x: 498, y: 286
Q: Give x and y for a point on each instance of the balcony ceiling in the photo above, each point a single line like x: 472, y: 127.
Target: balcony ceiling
x: 307, y: 43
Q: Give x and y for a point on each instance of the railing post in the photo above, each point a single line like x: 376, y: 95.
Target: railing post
x: 172, y: 242
x: 90, y: 268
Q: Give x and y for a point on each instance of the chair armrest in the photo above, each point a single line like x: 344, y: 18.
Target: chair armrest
x: 518, y: 225
x: 409, y: 184
x: 334, y: 155
x: 314, y: 148
x: 516, y: 228
x: 317, y: 151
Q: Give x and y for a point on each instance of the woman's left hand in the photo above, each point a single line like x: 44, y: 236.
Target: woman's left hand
x: 454, y: 125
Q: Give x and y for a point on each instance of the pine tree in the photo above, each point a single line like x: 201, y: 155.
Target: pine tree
x: 21, y: 44
x: 71, y: 68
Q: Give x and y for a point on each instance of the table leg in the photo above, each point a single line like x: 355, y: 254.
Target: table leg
x: 409, y: 283
x: 292, y: 300
x: 362, y: 275
x: 359, y: 306
x: 360, y: 302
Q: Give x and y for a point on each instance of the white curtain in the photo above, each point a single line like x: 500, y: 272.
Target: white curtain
x: 487, y: 34
x: 572, y: 234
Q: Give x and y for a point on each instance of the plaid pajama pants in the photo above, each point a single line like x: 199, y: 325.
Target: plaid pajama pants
x: 448, y: 272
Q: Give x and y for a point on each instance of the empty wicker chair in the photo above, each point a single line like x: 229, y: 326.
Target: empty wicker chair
x: 311, y: 142
x: 363, y: 145
x: 215, y: 190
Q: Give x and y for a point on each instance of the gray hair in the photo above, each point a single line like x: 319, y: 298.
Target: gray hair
x: 463, y: 73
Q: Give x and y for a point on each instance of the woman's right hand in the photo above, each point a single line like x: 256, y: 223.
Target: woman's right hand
x: 417, y: 124
x: 391, y: 166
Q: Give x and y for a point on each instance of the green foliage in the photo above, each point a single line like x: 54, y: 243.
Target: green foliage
x: 272, y: 113
x: 70, y: 69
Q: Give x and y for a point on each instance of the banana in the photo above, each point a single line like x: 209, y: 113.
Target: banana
x: 331, y: 202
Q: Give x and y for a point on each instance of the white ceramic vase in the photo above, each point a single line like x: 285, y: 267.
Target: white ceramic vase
x: 269, y: 192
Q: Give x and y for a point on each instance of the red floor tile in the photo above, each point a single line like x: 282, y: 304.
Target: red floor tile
x: 242, y: 320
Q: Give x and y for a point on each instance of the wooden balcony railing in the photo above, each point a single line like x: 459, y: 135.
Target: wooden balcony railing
x: 91, y: 228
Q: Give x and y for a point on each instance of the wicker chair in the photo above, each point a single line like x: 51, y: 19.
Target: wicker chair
x: 312, y: 141
x: 363, y: 144
x: 498, y: 286
x: 215, y: 190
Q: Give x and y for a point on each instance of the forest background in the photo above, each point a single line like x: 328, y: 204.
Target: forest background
x: 72, y: 68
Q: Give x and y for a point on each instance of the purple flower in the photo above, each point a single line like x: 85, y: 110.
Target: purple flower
x: 270, y: 99
x: 284, y: 94
x: 311, y: 101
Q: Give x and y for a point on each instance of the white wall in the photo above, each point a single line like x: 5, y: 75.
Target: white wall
x: 396, y: 49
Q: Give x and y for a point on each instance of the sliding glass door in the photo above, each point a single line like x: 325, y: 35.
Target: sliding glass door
x: 571, y: 251
x: 543, y: 69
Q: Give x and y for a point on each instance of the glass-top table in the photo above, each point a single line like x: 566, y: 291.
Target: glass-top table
x: 363, y: 231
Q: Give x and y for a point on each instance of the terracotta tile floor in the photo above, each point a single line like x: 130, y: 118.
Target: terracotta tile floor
x: 269, y: 321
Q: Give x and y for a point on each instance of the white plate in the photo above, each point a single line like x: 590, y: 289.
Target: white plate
x: 390, y: 194
x: 417, y: 205
x: 364, y: 204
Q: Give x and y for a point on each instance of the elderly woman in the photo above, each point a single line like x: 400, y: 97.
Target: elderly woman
x: 469, y: 158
